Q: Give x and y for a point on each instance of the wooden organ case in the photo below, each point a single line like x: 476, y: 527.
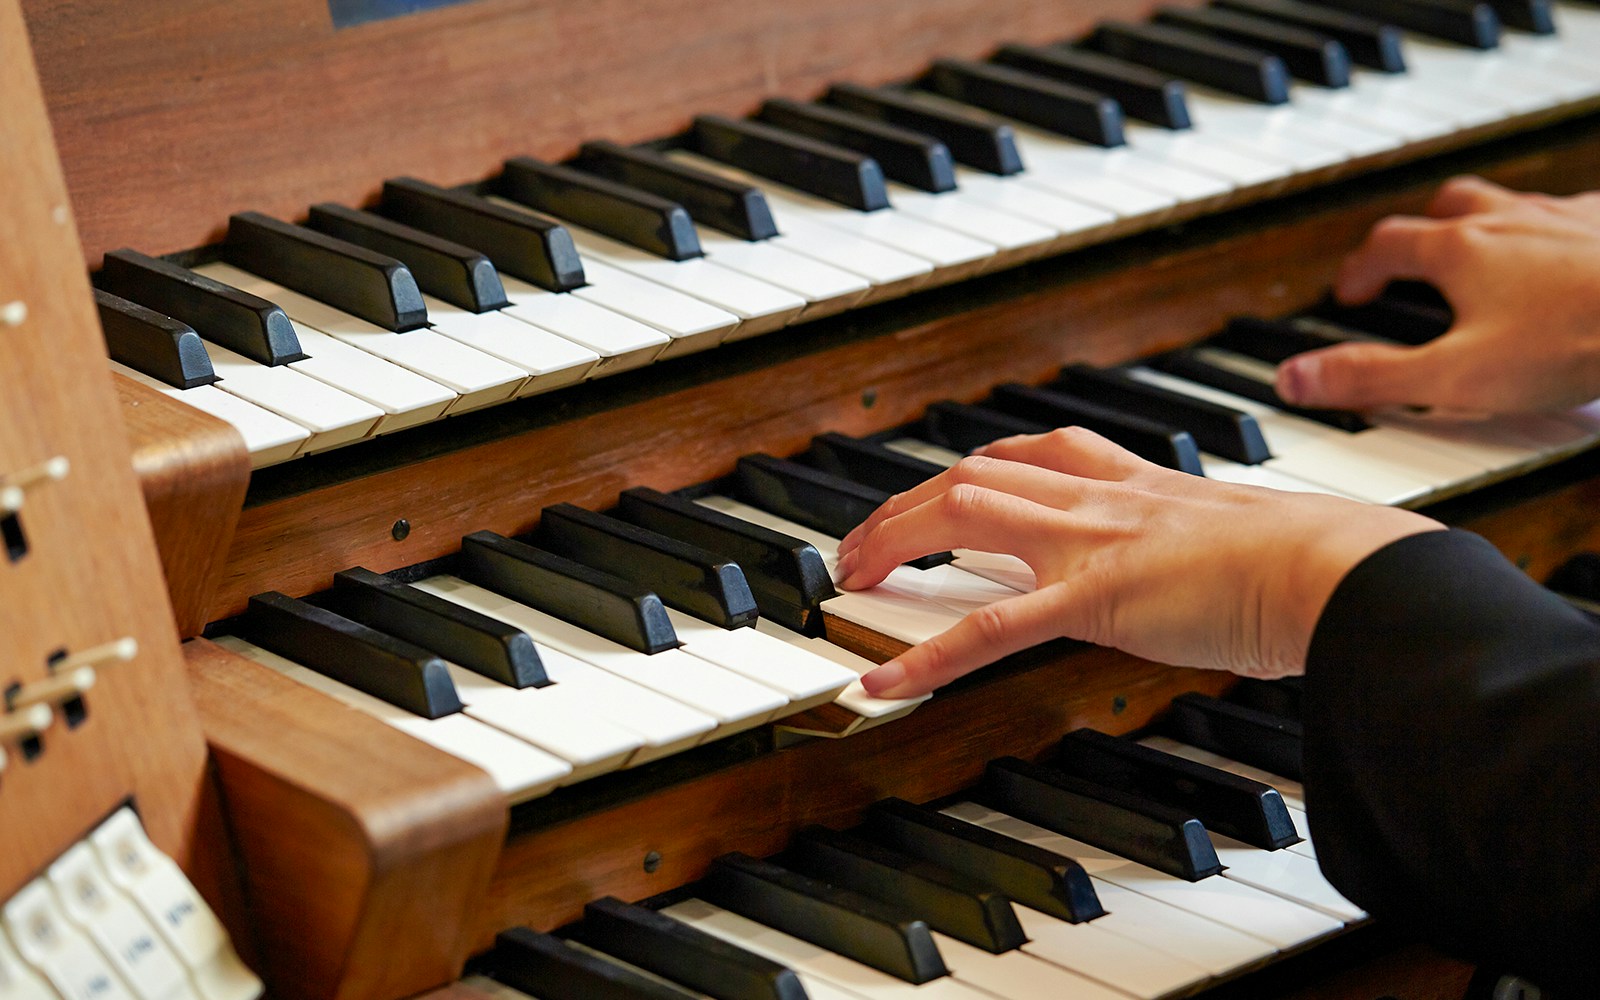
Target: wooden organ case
x: 350, y: 861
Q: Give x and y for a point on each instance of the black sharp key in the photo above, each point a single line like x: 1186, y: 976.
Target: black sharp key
x: 645, y: 220
x: 816, y: 499
x: 1467, y: 22
x: 963, y: 427
x: 1271, y: 340
x: 1397, y: 317
x: 1026, y: 873
x: 1536, y: 16
x: 1143, y: 93
x: 684, y: 954
x: 1260, y: 76
x: 973, y: 138
x: 1280, y: 697
x: 913, y: 158
x: 950, y: 902
x: 482, y: 644
x: 373, y: 286
x: 402, y: 674
x: 1308, y: 55
x: 734, y: 207
x: 1038, y: 100
x: 147, y: 341
x: 551, y: 969
x: 691, y: 579
x: 1166, y: 839
x: 1156, y: 442
x: 1188, y: 364
x: 786, y: 575
x: 458, y: 274
x: 222, y: 314
x: 603, y: 604
x: 869, y: 463
x: 1370, y: 42
x: 823, y: 169
x: 1221, y: 430
x: 839, y: 920
x: 1226, y: 803
x: 1270, y: 742
x: 521, y: 244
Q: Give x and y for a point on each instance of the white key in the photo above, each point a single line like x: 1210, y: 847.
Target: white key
x: 477, y: 378
x: 1225, y: 471
x: 1016, y: 238
x: 1456, y: 109
x: 1372, y: 98
x: 123, y: 933
x: 734, y: 701
x: 268, y: 437
x: 1240, y: 167
x: 1073, y: 221
x: 1284, y: 873
x: 998, y: 567
x: 1136, y: 967
x: 1186, y: 936
x: 46, y: 938
x: 406, y: 398
x: 17, y: 980
x: 805, y: 678
x: 826, y: 289
x: 666, y: 726
x: 1516, y: 86
x: 521, y: 771
x: 1282, y: 130
x: 551, y: 720
x: 693, y: 325
x: 551, y: 361
x: 621, y: 342
x: 1054, y: 155
x: 1302, y: 826
x: 1022, y: 973
x: 331, y: 416
x: 854, y: 697
x: 1275, y: 920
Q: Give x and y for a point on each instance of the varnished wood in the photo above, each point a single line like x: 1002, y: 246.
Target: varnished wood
x: 194, y: 470
x: 91, y: 573
x: 365, y: 853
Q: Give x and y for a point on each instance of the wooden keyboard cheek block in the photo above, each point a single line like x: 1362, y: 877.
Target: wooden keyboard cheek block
x: 364, y: 852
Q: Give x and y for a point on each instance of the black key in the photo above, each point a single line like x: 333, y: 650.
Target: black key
x: 1369, y: 41
x: 1166, y: 839
x: 786, y: 575
x: 839, y: 920
x: 458, y: 274
x: 159, y: 346
x: 482, y: 644
x: 1143, y: 93
x: 691, y: 579
x: 951, y: 903
x: 1260, y: 76
x: 734, y: 207
x: 1271, y: 340
x: 913, y: 158
x: 645, y: 220
x: 1028, y: 874
x: 551, y: 969
x: 1269, y: 742
x: 1226, y: 803
x: 963, y: 427
x: 222, y: 314
x: 521, y: 244
x: 1392, y: 317
x: 1050, y: 104
x: 1536, y: 16
x: 1308, y: 55
x: 402, y: 674
x: 973, y: 138
x: 1192, y: 366
x: 823, y: 169
x: 603, y: 604
x: 1156, y: 442
x: 684, y: 954
x: 1221, y: 430
x: 869, y: 463
x: 373, y: 286
x: 1465, y: 22
x: 1279, y: 697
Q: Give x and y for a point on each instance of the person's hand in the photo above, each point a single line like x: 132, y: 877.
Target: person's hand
x: 1521, y: 271
x: 1162, y: 564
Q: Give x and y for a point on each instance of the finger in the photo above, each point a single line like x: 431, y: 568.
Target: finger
x: 982, y: 637
x: 1468, y: 195
x: 1397, y: 248
x: 1361, y: 376
x: 1074, y: 451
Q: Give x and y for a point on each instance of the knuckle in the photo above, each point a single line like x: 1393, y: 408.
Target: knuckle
x: 964, y: 501
x: 991, y: 624
x: 970, y: 469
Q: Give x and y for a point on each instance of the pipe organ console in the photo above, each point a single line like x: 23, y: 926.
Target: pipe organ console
x: 498, y: 379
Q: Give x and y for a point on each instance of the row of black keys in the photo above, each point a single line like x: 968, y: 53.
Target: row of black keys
x: 874, y: 894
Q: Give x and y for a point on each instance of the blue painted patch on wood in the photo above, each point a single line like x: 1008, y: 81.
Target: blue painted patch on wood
x: 349, y: 12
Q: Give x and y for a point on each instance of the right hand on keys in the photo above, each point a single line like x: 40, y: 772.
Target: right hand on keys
x: 1521, y: 271
x: 1162, y: 564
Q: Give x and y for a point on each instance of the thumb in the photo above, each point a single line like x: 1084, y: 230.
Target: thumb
x: 1360, y: 376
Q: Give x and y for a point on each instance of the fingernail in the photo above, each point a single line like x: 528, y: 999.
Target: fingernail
x: 846, y: 566
x: 882, y: 680
x: 1297, y: 379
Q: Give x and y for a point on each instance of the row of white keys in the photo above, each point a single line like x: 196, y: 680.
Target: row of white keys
x: 825, y: 288
x: 734, y: 701
x: 332, y: 416
x: 476, y: 378
x: 551, y: 361
x: 854, y: 697
x: 1070, y: 166
x: 802, y: 676
x: 1500, y: 80
x: 1015, y: 238
x: 620, y: 341
x: 268, y: 437
x: 406, y: 398
x: 520, y: 770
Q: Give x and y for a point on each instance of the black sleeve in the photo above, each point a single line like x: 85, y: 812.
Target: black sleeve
x: 1452, y: 757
